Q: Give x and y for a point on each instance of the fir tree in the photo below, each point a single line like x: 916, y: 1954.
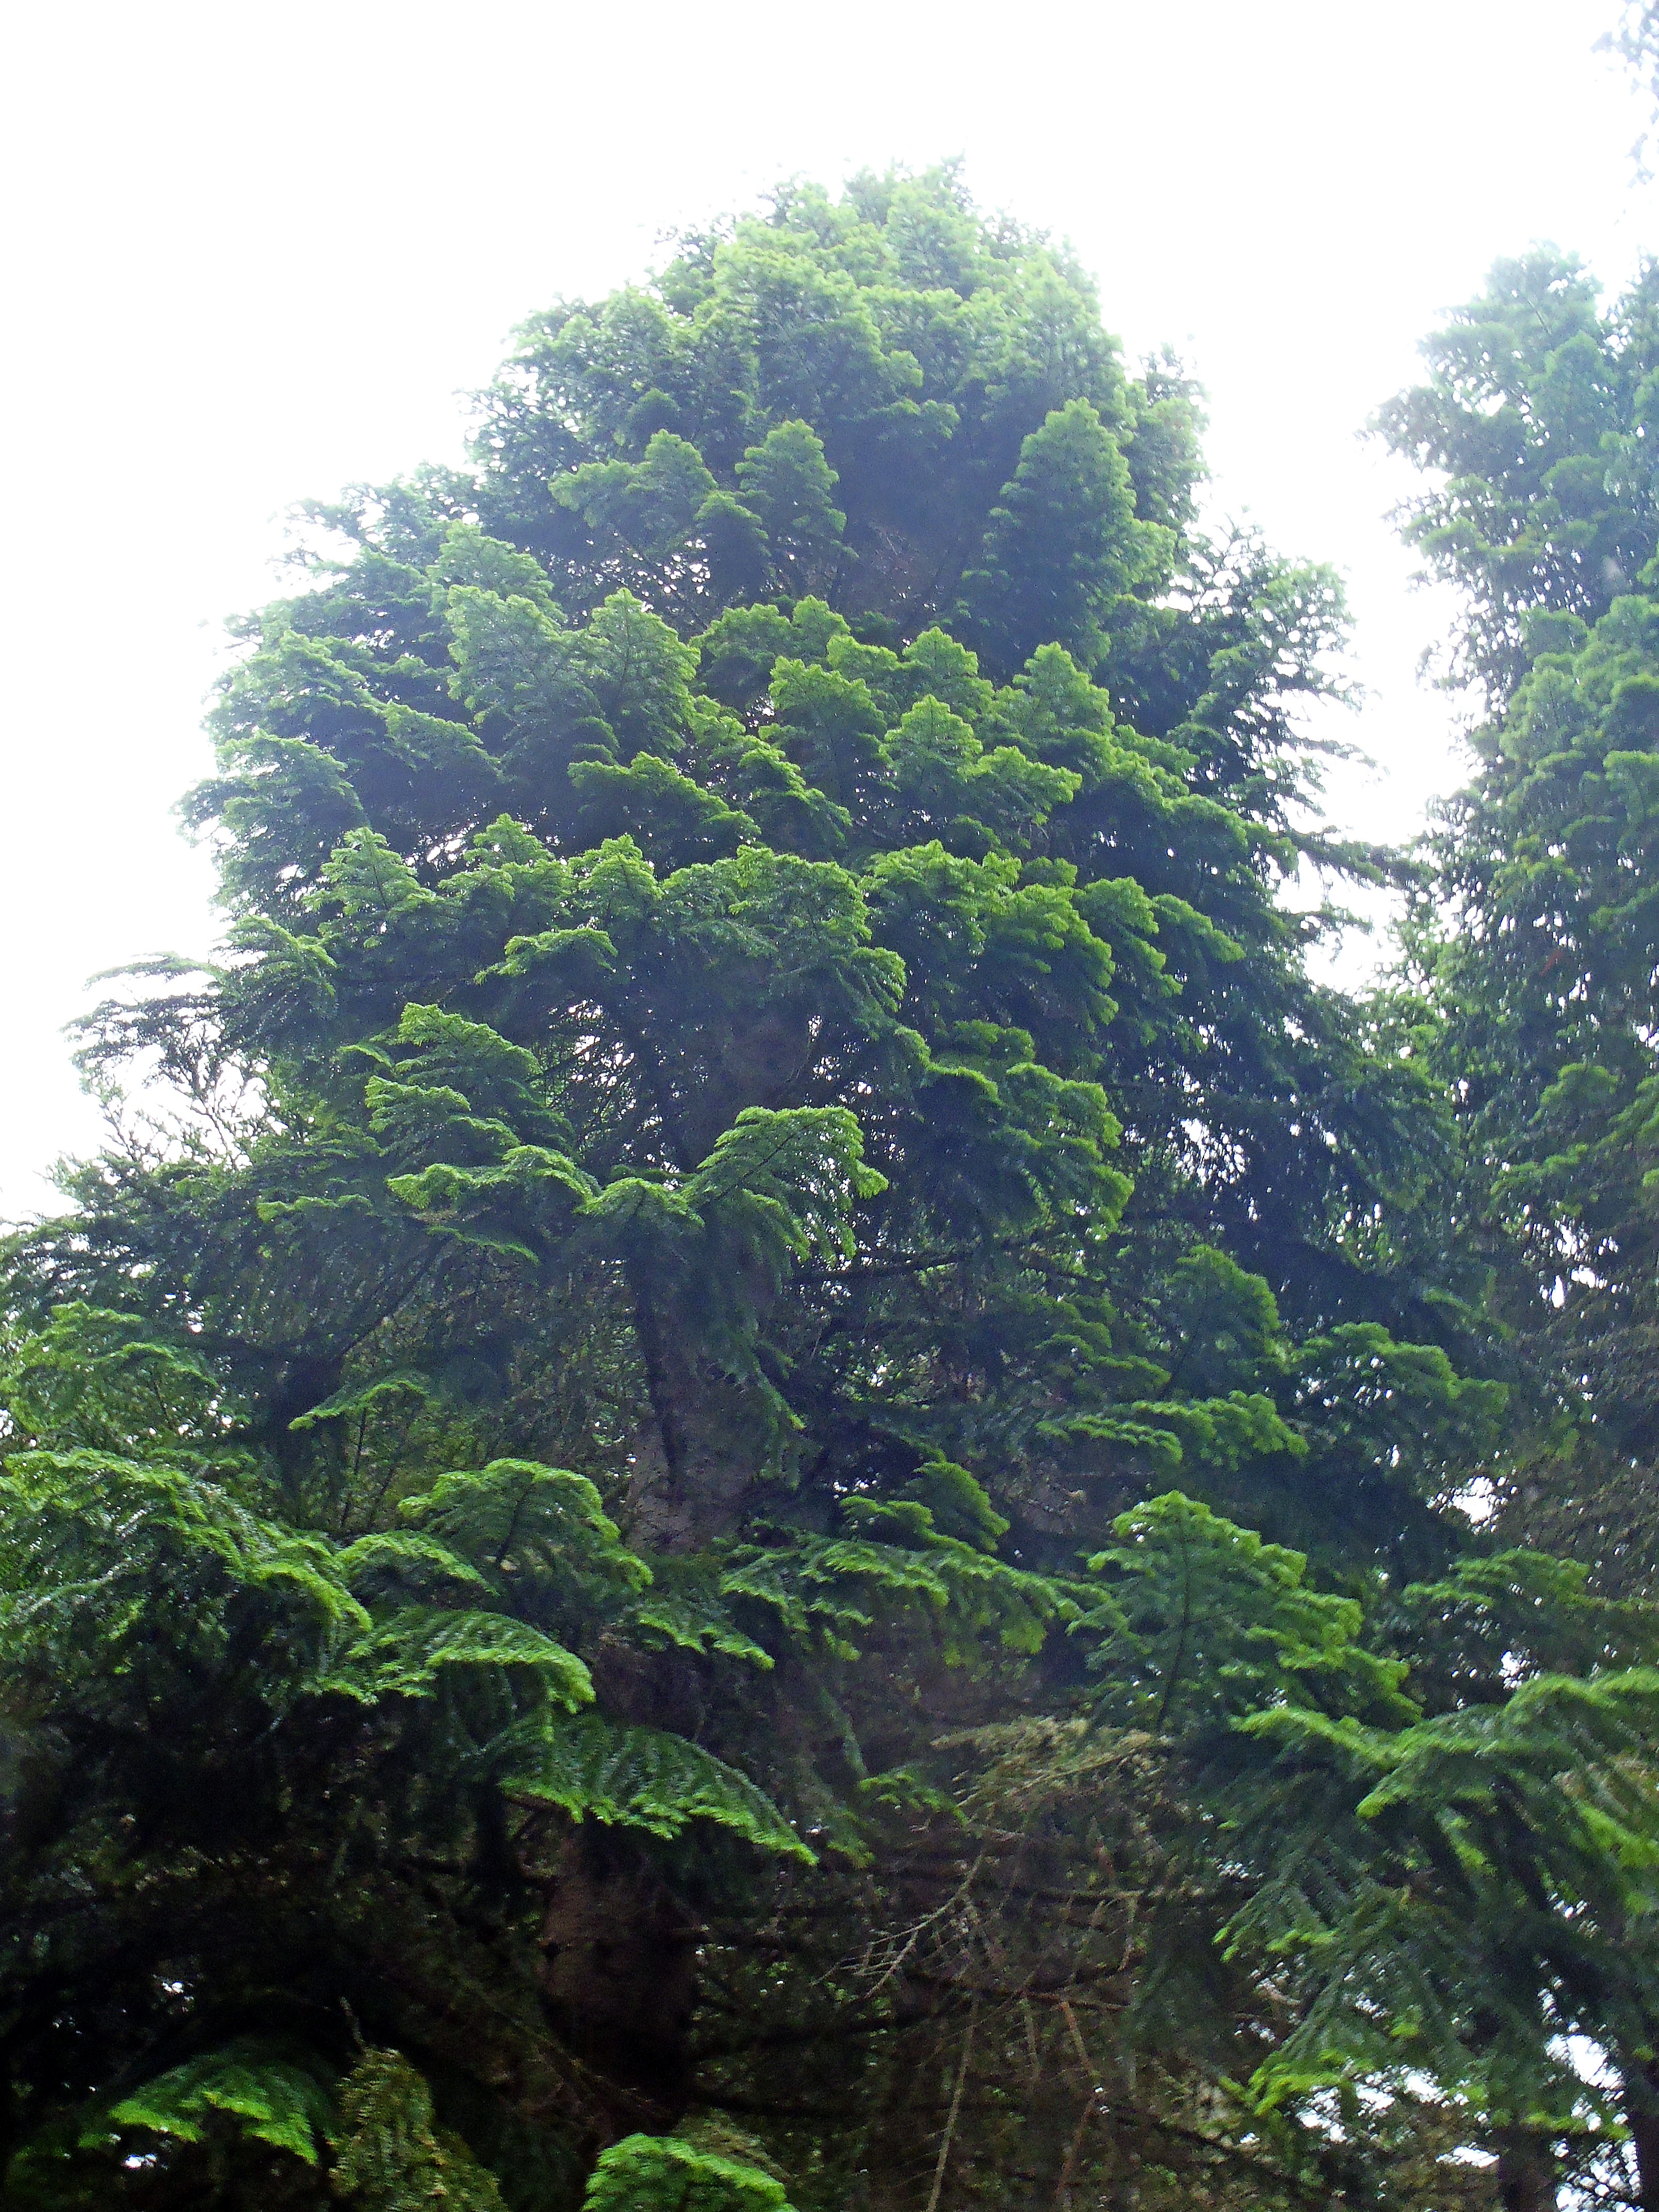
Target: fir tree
x: 780, y: 1370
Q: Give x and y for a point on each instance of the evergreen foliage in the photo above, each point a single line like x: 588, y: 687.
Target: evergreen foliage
x: 1528, y: 995
x: 1533, y: 948
x: 745, y: 1485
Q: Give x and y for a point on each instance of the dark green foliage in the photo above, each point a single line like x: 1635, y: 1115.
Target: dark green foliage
x: 387, y: 2155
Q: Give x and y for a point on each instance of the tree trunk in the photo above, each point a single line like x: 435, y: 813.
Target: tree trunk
x: 1527, y: 2172
x: 697, y: 1460
x: 763, y: 1062
x: 619, y: 1980
x: 1642, y: 2119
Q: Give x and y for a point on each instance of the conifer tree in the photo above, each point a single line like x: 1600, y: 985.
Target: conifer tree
x: 1529, y: 994
x: 771, y: 1424
x: 1534, y: 946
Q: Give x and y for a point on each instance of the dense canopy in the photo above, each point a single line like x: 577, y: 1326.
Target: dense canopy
x: 768, y: 1471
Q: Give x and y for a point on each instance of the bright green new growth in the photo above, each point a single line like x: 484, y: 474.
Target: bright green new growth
x: 249, y: 2089
x: 375, y: 2134
x: 660, y: 2174
x: 638, y: 1777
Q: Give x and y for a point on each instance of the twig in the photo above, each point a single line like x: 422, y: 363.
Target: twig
x: 956, y: 2107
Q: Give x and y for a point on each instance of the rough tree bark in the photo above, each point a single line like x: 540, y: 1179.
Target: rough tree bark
x: 619, y: 1978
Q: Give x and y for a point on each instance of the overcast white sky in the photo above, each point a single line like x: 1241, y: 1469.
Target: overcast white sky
x: 256, y: 250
